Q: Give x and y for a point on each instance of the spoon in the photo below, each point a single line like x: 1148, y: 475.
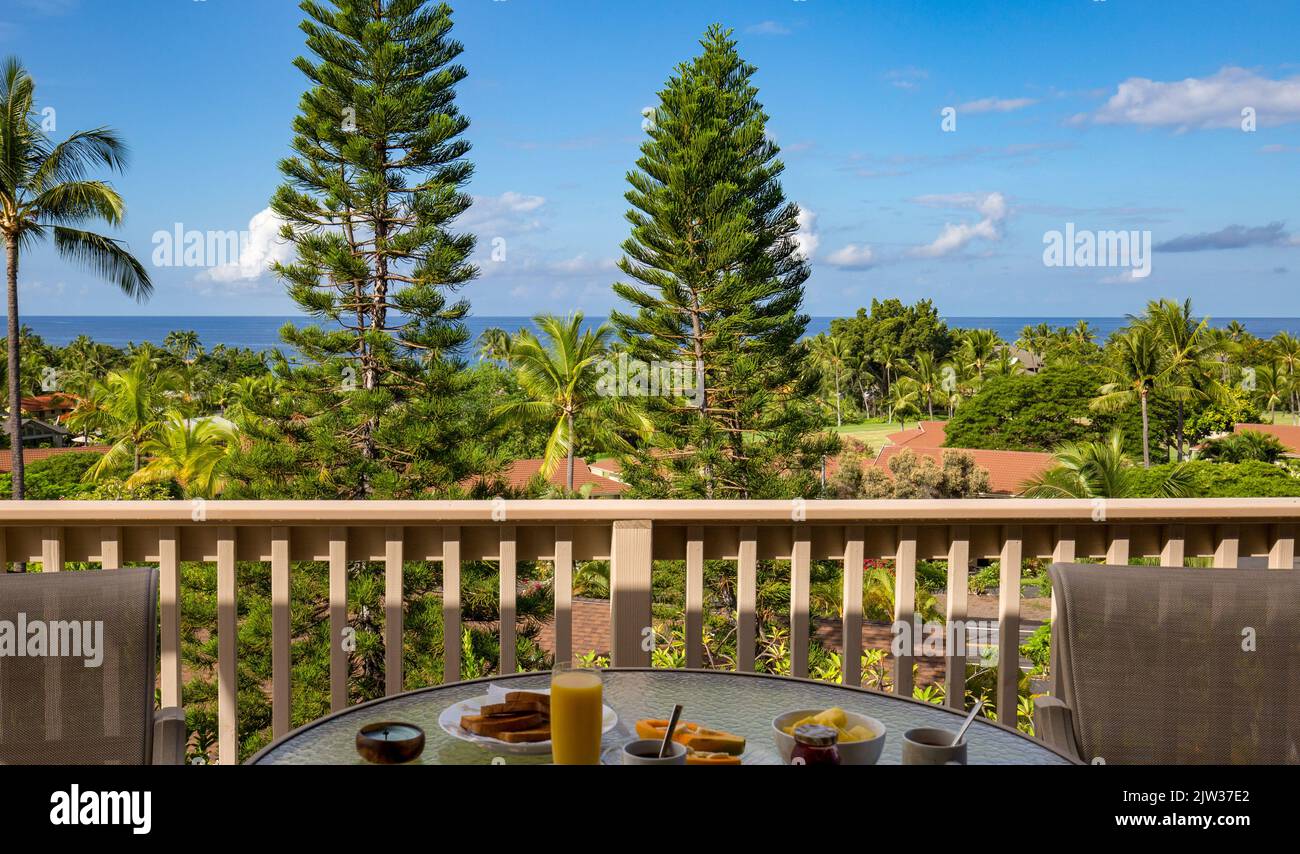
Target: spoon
x: 970, y: 718
x: 668, y: 734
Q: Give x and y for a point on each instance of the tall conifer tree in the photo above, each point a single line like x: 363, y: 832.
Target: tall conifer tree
x: 369, y: 200
x: 718, y: 284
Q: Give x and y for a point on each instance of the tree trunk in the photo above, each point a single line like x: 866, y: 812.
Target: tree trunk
x: 15, y: 370
x: 572, y: 442
x: 839, y: 416
x: 1146, y: 435
x: 1180, y: 431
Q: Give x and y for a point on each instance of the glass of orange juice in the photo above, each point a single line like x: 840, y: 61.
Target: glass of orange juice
x: 577, y: 713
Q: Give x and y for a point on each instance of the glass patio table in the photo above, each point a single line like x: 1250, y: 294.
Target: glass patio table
x: 742, y: 703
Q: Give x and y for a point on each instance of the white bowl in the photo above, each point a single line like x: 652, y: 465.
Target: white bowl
x: 851, y: 753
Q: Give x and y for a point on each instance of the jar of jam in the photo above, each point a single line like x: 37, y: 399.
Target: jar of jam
x: 815, y: 745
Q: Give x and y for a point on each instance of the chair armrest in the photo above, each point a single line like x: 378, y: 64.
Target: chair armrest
x: 169, y: 736
x: 1054, y: 725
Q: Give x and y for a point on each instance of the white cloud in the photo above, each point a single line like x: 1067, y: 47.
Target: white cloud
x: 259, y: 247
x: 768, y: 28
x: 806, y: 237
x: 906, y: 78
x: 1128, y: 277
x: 992, y: 208
x: 852, y: 257
x: 508, y: 214
x: 996, y: 105
x: 1216, y: 101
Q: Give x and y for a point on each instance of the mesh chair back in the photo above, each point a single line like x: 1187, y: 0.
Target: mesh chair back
x: 1179, y: 666
x: 84, y: 695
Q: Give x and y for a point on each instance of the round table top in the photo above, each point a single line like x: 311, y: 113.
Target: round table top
x: 742, y: 703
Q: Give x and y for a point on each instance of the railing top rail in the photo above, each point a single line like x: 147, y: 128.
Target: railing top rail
x: 889, y: 512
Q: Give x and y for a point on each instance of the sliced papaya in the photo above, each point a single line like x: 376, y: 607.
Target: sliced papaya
x: 694, y: 736
x: 704, y: 757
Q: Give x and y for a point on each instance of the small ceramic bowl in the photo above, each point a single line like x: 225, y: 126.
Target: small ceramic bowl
x: 390, y: 742
x: 851, y: 752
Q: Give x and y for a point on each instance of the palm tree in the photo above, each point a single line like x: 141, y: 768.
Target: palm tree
x: 44, y: 192
x: 830, y: 353
x: 1287, y: 348
x: 494, y: 345
x: 903, y: 398
x: 1185, y: 355
x: 978, y: 349
x: 559, y: 381
x: 889, y: 356
x: 192, y: 453
x: 127, y: 407
x: 184, y: 344
x: 927, y: 373
x: 1272, y: 386
x: 1134, y: 372
x: 1100, y: 470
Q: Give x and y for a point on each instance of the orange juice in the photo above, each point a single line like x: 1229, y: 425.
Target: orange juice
x: 576, y: 716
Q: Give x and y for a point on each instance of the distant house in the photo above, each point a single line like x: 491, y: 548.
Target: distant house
x: 37, y: 433
x: 51, y: 408
x: 1031, y: 362
x: 1287, y: 434
x: 520, y: 473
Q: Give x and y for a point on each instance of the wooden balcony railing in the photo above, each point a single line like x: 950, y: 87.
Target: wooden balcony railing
x: 631, y: 535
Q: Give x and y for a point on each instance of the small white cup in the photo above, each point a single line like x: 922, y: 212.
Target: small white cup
x: 645, y: 751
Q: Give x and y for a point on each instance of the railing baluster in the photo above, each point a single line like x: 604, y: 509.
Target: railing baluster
x: 51, y: 549
x: 281, y: 690
x: 110, y: 548
x: 1174, y: 551
x: 905, y: 606
x: 1062, y: 552
x: 169, y: 598
x: 800, y: 578
x: 339, y: 617
x: 1282, y: 554
x: 1117, y: 552
x: 450, y: 604
x: 851, y: 595
x: 393, y: 609
x: 506, y: 595
x: 1229, y: 542
x: 954, y: 665
x: 746, y: 598
x: 1009, y: 624
x: 227, y: 646
x: 563, y: 585
x: 695, y: 596
x: 631, y: 561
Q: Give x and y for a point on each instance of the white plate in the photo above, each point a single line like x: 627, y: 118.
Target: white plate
x: 449, y: 720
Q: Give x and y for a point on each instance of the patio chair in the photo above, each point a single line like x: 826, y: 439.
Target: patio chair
x: 1164, y: 665
x: 81, y: 697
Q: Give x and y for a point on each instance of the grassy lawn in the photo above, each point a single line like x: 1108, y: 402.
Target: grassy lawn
x: 871, y: 432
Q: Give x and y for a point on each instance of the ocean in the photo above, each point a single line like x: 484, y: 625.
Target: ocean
x: 263, y: 332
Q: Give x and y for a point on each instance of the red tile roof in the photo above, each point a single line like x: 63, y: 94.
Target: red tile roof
x: 520, y: 473
x: 1287, y: 434
x: 30, y: 455
x: 928, y: 434
x: 1008, y: 470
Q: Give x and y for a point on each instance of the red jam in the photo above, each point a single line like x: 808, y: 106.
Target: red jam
x: 815, y: 745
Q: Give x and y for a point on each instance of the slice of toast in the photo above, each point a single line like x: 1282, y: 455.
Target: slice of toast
x: 514, y: 707
x: 528, y: 697
x: 542, y: 733
x: 493, y: 727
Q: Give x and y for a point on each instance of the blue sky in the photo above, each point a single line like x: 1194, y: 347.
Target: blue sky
x: 1112, y: 115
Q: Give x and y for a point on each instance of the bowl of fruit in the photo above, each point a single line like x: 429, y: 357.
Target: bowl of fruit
x: 861, y: 738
